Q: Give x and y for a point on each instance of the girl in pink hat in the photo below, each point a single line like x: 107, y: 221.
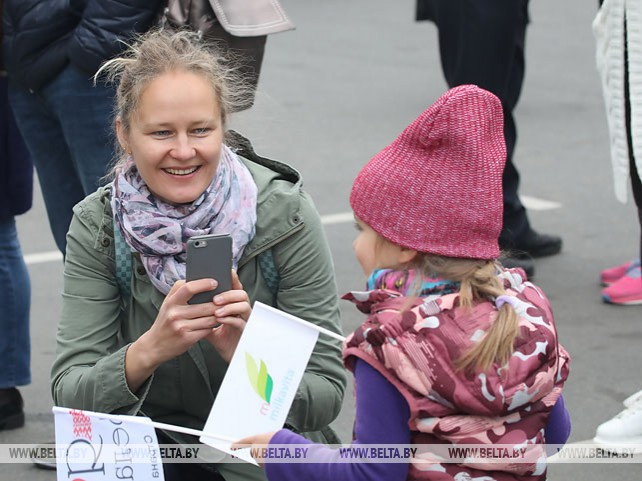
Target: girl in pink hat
x: 457, y: 351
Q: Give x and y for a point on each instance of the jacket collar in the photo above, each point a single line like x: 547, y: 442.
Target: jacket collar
x: 278, y: 204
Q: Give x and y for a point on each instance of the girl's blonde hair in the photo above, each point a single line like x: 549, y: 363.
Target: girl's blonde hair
x: 158, y: 52
x: 478, y: 281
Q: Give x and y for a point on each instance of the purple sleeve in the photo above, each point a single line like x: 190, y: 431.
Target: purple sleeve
x: 381, y: 418
x: 558, y: 426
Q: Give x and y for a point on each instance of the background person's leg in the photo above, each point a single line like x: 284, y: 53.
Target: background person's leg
x: 15, y: 299
x: 245, y: 56
x: 59, y: 182
x: 626, y: 283
x: 85, y: 114
x: 67, y: 128
x: 482, y: 42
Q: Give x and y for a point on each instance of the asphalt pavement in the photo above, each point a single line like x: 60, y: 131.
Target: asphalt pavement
x: 342, y: 86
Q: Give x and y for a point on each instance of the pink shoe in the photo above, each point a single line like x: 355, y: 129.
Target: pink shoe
x: 609, y: 276
x: 627, y: 290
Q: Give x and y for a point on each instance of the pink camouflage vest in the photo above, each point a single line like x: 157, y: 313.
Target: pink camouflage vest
x: 414, y: 347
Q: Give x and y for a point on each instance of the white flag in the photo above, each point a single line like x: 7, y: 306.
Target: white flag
x: 262, y: 378
x: 95, y: 446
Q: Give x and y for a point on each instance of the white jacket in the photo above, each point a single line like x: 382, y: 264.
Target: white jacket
x: 608, y: 28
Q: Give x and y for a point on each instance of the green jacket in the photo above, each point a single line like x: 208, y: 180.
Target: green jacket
x: 97, y: 325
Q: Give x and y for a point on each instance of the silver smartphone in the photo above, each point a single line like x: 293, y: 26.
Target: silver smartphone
x: 209, y: 257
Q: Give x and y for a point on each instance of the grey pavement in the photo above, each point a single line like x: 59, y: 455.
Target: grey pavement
x: 343, y: 85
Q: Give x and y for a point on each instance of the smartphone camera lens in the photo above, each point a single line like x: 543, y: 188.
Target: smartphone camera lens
x: 200, y: 243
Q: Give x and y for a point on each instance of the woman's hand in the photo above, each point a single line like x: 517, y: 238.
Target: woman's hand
x: 177, y: 327
x: 256, y: 443
x: 232, y: 312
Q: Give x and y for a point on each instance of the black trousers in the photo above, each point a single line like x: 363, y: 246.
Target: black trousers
x: 482, y: 42
x: 245, y: 57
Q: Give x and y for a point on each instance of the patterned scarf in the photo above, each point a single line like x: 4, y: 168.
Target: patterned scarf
x: 404, y: 283
x: 159, y: 231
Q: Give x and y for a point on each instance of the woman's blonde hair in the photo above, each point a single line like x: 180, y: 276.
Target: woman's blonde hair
x: 161, y: 51
x: 478, y: 281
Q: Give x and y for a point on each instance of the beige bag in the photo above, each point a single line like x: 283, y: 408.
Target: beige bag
x: 241, y: 18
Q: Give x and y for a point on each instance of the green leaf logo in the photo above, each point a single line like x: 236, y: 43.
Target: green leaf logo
x: 260, y: 380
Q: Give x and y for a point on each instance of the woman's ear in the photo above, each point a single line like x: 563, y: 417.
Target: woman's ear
x: 121, y: 135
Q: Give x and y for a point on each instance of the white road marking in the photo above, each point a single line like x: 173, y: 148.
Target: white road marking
x: 339, y: 218
x: 531, y: 203
x: 40, y: 257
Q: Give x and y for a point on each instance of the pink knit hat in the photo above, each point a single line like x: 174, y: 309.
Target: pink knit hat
x: 438, y: 187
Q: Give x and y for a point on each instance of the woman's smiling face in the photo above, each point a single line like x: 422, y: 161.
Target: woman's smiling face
x: 175, y: 136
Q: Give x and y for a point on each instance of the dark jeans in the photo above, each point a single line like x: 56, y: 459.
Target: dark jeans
x: 482, y: 42
x: 15, y: 299
x: 67, y: 128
